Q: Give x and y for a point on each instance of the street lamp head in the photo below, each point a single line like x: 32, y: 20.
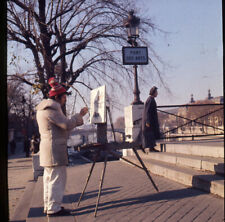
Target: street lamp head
x: 132, y: 24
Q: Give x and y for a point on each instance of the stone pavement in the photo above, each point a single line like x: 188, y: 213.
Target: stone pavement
x: 19, y: 173
x: 128, y: 195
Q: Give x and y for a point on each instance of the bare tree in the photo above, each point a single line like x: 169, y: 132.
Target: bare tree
x: 14, y: 97
x: 72, y: 39
x: 20, y: 106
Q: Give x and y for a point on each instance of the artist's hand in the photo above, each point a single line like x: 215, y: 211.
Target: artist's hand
x: 84, y: 111
x: 147, y: 124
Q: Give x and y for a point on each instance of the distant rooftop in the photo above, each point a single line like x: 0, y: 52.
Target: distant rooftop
x: 218, y: 99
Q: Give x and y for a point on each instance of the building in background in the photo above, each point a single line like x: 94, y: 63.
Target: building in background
x: 216, y: 119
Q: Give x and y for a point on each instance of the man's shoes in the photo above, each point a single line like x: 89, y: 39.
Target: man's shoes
x: 153, y: 150
x: 62, y: 212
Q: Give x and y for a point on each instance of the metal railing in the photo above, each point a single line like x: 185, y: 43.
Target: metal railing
x: 191, y: 121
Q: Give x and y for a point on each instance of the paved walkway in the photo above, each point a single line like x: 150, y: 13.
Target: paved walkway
x: 128, y: 195
x: 19, y: 173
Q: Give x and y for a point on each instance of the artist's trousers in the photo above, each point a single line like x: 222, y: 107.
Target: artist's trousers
x: 54, y: 181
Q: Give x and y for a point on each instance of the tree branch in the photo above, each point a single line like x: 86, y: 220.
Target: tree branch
x: 23, y: 79
x: 23, y: 6
x: 83, y: 84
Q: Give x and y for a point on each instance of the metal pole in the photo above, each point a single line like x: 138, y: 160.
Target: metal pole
x: 111, y: 123
x: 145, y: 169
x: 101, y: 183
x: 136, y: 91
x: 89, y: 175
x: 140, y: 160
x: 136, y: 88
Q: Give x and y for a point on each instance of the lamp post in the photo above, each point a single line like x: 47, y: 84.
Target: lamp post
x: 23, y: 102
x: 132, y: 24
x: 24, y: 116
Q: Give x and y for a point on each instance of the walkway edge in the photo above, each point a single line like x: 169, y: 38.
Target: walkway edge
x: 23, y: 207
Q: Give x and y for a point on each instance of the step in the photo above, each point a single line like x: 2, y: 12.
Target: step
x: 208, y: 149
x: 212, y: 164
x: 23, y: 206
x: 37, y: 206
x: 205, y: 181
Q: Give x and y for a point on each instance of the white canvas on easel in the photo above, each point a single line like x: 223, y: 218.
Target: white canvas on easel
x: 98, y: 105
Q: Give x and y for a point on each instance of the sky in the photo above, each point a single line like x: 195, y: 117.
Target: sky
x: 191, y: 50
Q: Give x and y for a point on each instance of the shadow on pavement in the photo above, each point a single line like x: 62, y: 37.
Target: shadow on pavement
x: 162, y: 196
x: 38, y: 211
x: 17, y: 188
x: 88, y: 195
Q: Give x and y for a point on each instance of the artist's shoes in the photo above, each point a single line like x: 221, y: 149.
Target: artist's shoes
x: 153, y: 150
x: 62, y: 212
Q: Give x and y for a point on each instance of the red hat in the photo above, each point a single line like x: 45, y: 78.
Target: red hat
x: 56, y: 88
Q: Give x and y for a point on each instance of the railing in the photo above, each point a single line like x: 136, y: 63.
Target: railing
x: 191, y: 121
x: 168, y: 134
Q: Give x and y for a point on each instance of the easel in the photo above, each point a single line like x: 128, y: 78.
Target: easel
x: 102, y: 145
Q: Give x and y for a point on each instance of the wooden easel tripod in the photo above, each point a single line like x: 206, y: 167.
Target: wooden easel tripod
x: 110, y: 148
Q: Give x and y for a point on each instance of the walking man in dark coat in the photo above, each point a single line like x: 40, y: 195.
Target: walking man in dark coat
x: 150, y: 123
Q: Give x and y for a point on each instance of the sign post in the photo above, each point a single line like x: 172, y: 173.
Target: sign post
x: 135, y: 55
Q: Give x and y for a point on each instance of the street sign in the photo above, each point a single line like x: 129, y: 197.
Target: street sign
x: 135, y: 55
